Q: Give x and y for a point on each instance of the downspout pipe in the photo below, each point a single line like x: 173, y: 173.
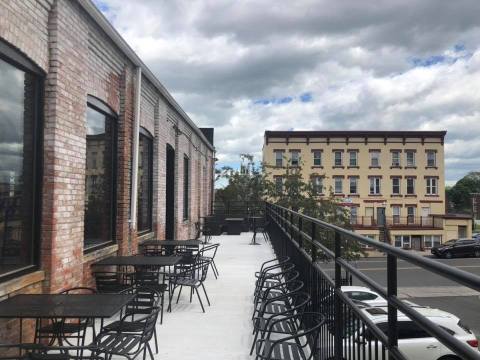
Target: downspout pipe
x: 135, y: 140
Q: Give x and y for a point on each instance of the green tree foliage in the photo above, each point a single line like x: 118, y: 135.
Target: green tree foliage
x: 459, y: 196
x: 252, y: 184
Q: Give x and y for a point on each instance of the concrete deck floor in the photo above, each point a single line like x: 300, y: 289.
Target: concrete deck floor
x: 223, y: 332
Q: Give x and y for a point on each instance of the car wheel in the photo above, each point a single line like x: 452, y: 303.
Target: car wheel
x: 477, y: 253
x: 448, y: 255
x: 449, y: 357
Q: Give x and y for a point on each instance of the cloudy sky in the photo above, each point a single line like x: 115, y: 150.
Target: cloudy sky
x: 249, y: 65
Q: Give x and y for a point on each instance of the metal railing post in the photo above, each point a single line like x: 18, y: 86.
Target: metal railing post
x: 338, y: 309
x: 300, y: 236
x: 312, y: 246
x: 392, y: 310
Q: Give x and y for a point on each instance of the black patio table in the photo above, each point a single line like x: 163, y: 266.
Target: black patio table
x: 46, y: 306
x: 174, y: 243
x: 139, y: 260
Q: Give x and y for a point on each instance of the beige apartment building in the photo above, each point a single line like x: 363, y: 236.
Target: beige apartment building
x: 386, y: 178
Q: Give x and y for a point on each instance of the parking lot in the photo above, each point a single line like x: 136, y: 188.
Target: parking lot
x: 426, y: 288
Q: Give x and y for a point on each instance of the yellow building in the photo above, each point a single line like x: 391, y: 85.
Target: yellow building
x: 395, y: 178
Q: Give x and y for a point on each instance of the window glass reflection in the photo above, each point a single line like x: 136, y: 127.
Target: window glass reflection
x: 17, y: 119
x: 99, y: 178
x: 145, y: 164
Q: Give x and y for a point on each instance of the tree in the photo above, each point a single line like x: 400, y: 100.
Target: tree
x: 302, y: 196
x: 459, y: 196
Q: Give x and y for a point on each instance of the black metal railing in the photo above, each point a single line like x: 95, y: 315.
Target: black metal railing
x: 350, y: 333
x: 428, y: 222
x: 238, y: 208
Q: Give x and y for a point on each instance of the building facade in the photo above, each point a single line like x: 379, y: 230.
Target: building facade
x: 392, y: 178
x: 96, y: 155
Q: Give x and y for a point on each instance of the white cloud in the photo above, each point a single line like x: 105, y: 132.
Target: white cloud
x: 396, y: 64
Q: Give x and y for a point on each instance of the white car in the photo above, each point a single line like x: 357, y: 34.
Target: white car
x: 413, y: 342
x: 364, y: 295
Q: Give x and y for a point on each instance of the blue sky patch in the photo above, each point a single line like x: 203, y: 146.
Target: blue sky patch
x: 306, y: 97
x: 429, y: 61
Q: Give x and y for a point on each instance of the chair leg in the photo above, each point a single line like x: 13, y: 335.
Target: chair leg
x: 145, y: 352
x: 170, y: 298
x: 178, y: 297
x: 161, y: 312
x: 191, y: 293
x: 208, y: 300
x: 199, y: 299
x: 150, y: 352
x: 215, y: 267
x: 213, y: 270
x: 254, y: 342
x: 156, y: 340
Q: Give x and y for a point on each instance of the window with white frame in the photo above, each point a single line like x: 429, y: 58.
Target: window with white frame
x: 279, y: 158
x: 402, y: 241
x: 430, y: 241
x: 432, y: 185
x: 338, y: 158
x: 353, y: 160
x: 317, y: 183
x: 295, y: 158
x: 353, y: 215
x: 396, y: 214
x: 410, y: 186
x: 338, y: 185
x: 375, y: 158
x: 317, y: 158
x: 395, y: 158
x: 375, y: 182
x: 431, y: 158
x: 396, y: 186
x: 410, y: 158
x: 353, y: 185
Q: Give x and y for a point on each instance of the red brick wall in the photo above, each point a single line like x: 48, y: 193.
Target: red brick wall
x: 80, y: 60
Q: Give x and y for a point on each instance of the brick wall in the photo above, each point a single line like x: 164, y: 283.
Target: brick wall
x: 79, y: 59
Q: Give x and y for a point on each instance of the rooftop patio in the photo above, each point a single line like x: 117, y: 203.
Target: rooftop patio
x: 224, y: 330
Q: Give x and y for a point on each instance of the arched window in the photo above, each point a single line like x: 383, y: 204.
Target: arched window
x: 20, y: 161
x: 100, y: 174
x: 145, y: 182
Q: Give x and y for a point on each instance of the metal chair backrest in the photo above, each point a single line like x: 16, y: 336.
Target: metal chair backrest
x: 79, y: 290
x: 149, y: 327
x: 146, y: 299
x: 210, y: 250
x: 108, y: 282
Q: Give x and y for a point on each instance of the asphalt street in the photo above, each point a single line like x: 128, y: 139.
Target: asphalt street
x: 426, y: 288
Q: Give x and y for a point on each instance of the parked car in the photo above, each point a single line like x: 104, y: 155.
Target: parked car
x: 413, y: 341
x: 476, y: 236
x: 364, y: 295
x: 457, y: 248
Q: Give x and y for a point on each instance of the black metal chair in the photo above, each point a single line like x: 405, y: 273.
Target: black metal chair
x: 110, y: 282
x: 150, y: 278
x: 129, y: 345
x: 272, y: 263
x: 45, y: 352
x: 208, y: 253
x: 273, y: 276
x: 193, y: 278
x: 261, y: 227
x: 66, y: 330
x: 282, y: 306
x: 145, y: 302
x: 299, y: 341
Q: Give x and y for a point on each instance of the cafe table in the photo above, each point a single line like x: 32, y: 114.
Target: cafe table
x: 62, y: 306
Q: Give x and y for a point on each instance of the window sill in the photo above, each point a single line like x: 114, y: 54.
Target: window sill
x: 338, y: 167
x: 374, y: 194
x: 317, y: 167
x: 95, y: 254
x: 395, y: 167
x: 339, y: 194
x: 145, y: 235
x: 374, y: 167
x: 396, y: 195
x: 410, y: 196
x: 432, y: 195
x: 353, y: 195
x: 431, y: 167
x: 353, y: 167
x: 20, y: 282
x: 410, y: 167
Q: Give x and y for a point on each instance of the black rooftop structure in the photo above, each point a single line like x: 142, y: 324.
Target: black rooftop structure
x: 208, y: 133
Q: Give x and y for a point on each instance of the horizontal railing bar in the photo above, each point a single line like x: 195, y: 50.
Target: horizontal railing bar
x: 454, y: 344
x: 463, y: 277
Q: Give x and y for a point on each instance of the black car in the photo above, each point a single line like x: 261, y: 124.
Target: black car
x: 457, y: 248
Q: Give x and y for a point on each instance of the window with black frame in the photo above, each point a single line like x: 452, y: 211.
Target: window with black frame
x: 100, y: 174
x: 186, y: 187
x: 145, y: 182
x: 20, y: 114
